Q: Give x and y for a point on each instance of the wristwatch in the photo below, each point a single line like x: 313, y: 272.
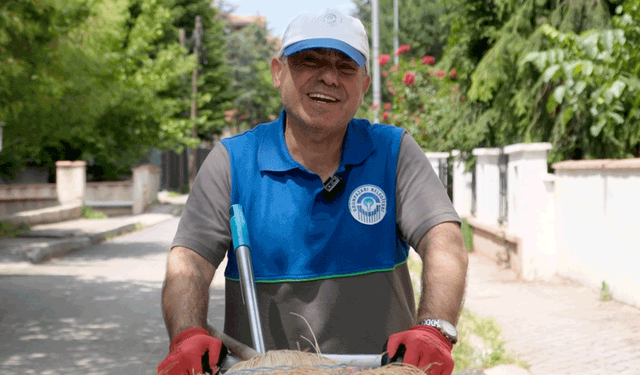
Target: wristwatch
x: 447, y: 329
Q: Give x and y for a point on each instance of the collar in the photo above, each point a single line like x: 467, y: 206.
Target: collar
x: 274, y: 156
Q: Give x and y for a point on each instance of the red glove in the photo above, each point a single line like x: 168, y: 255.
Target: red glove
x: 194, y: 352
x: 424, y: 347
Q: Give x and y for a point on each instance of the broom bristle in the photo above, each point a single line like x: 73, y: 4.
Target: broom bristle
x: 293, y: 362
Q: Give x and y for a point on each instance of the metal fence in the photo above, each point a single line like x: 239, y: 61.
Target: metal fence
x: 503, y: 161
x: 175, y: 168
x: 446, y: 176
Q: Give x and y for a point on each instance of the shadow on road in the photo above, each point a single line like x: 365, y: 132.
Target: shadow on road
x: 96, y: 312
x: 64, y: 325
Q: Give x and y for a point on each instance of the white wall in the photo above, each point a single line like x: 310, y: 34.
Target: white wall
x: 71, y: 179
x: 580, y: 222
x: 487, y: 185
x: 530, y: 209
x: 597, y: 226
x: 109, y: 191
x: 462, y: 189
x: 146, y: 181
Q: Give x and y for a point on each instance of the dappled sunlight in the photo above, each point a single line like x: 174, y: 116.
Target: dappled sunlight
x: 86, y: 326
x: 94, y: 312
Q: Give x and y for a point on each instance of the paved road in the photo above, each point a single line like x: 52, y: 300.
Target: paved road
x: 559, y: 327
x: 96, y: 312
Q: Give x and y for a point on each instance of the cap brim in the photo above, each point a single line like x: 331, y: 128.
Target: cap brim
x: 341, y: 46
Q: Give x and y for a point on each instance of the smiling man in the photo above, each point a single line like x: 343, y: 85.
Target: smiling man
x: 333, y: 205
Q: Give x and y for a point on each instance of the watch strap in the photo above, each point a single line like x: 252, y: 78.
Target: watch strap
x: 436, y: 323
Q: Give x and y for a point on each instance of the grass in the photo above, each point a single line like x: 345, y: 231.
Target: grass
x: 8, y: 230
x: 480, y: 343
x: 90, y: 213
x: 173, y: 194
x: 467, y: 235
x: 605, y: 292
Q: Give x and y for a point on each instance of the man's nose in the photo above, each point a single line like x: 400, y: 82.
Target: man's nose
x: 329, y: 75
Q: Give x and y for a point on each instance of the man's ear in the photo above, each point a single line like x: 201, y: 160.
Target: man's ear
x: 276, y: 70
x: 365, y: 87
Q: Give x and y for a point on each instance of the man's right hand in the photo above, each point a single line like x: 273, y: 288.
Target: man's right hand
x: 193, y: 351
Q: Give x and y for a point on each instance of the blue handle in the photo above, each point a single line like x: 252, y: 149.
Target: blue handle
x: 239, y: 229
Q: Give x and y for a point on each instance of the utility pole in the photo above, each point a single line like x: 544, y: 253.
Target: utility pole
x: 395, y: 31
x: 376, y: 54
x: 197, y: 36
x: 183, y: 159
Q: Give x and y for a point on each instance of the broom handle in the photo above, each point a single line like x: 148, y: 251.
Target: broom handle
x: 241, y: 352
x: 247, y: 285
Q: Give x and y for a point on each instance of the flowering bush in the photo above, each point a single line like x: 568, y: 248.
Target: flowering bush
x: 422, y: 95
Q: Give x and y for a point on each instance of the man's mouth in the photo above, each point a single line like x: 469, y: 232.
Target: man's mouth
x: 322, y: 98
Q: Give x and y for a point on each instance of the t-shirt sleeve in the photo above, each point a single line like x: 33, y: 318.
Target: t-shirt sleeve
x: 204, y: 225
x: 422, y: 201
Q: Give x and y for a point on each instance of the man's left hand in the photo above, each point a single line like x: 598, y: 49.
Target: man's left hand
x: 424, y: 347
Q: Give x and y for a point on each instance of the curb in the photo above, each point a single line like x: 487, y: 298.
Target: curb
x: 41, y: 252
x: 498, y: 370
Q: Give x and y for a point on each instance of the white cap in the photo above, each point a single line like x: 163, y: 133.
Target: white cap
x: 332, y: 30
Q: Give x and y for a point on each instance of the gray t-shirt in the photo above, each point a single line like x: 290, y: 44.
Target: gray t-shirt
x: 346, y: 315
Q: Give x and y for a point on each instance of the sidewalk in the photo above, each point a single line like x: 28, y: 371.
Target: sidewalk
x: 47, y: 241
x: 558, y: 327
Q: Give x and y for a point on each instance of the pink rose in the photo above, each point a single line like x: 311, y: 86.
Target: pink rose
x: 409, y: 78
x: 428, y: 60
x: 383, y: 59
x: 402, y: 49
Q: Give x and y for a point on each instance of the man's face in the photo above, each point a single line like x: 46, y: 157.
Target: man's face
x: 321, y: 89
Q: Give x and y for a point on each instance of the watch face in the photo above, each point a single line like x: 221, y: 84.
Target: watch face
x: 448, y: 328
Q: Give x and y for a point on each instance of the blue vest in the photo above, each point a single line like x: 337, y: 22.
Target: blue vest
x: 298, y: 234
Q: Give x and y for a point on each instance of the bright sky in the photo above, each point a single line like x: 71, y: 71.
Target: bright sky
x: 280, y: 12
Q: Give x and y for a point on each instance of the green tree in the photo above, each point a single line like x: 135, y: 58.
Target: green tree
x: 215, y: 84
x: 419, y: 25
x: 249, y: 54
x: 45, y: 81
x: 502, y: 100
x: 592, y: 78
x: 141, y: 70
x: 527, y: 71
x: 101, y: 81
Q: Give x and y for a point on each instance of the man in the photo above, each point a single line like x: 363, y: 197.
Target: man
x: 332, y: 204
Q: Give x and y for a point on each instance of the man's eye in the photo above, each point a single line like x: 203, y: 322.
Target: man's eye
x: 310, y: 61
x: 347, y: 69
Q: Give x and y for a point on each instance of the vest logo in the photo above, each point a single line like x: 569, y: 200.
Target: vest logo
x: 368, y: 204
